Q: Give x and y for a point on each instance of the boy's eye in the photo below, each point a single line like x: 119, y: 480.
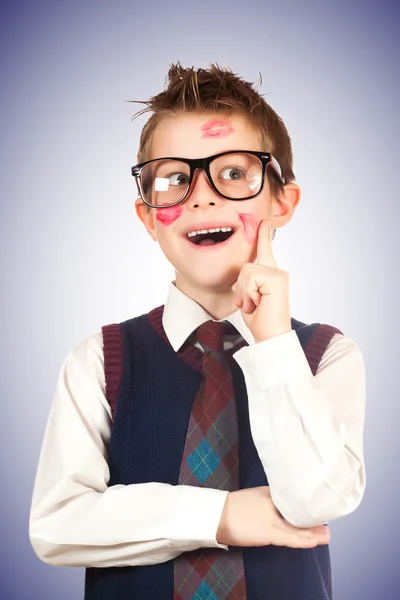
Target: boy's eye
x: 232, y: 173
x: 177, y: 179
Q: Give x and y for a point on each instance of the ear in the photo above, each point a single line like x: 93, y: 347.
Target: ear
x: 146, y: 215
x: 284, y: 205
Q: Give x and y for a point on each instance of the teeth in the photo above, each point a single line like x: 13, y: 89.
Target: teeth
x: 193, y: 233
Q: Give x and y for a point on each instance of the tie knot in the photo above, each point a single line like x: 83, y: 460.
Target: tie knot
x: 211, y: 336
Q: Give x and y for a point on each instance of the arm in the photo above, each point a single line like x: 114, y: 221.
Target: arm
x: 76, y: 519
x: 308, y: 429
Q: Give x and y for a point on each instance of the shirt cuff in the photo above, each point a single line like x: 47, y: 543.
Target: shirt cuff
x: 197, y: 517
x: 275, y: 362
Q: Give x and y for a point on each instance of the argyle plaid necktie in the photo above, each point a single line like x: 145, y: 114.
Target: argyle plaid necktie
x: 210, y: 459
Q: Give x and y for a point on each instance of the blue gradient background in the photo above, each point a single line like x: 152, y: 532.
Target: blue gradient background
x: 74, y: 256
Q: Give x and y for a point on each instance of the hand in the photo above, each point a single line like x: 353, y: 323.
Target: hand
x: 262, y: 291
x: 250, y: 518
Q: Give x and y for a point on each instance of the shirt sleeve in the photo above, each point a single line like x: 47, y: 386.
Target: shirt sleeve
x: 75, y: 518
x: 308, y: 430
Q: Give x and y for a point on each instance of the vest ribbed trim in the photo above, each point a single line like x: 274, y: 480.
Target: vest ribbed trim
x: 155, y: 318
x: 191, y: 355
x: 318, y: 344
x: 113, y: 357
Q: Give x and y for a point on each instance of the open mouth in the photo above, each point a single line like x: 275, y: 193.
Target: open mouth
x: 210, y: 238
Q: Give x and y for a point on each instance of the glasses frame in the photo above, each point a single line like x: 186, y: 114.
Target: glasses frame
x: 203, y: 164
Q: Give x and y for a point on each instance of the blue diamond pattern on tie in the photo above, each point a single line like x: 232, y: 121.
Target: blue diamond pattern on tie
x: 204, y: 592
x: 203, y: 461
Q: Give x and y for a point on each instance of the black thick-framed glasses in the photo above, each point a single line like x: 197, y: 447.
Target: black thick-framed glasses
x: 234, y: 175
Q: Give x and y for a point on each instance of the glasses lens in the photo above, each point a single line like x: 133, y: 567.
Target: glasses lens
x: 237, y: 175
x: 165, y: 182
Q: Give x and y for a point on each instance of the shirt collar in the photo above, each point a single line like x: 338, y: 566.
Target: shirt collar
x: 182, y: 316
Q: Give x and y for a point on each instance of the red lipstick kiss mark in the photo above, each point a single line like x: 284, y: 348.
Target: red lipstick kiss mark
x: 216, y: 128
x: 250, y: 226
x: 169, y: 215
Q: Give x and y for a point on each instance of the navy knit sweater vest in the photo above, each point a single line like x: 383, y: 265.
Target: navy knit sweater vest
x: 151, y: 389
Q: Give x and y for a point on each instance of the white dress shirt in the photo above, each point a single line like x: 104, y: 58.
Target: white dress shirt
x: 308, y: 431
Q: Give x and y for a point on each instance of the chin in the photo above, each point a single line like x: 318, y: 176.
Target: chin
x: 218, y: 280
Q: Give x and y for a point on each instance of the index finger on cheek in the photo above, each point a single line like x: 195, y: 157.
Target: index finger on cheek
x: 264, y: 250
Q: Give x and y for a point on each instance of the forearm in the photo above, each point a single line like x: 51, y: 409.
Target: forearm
x: 308, y: 430
x: 139, y: 524
x: 334, y: 495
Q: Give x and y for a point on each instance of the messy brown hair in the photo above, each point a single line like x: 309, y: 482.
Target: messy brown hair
x: 218, y: 89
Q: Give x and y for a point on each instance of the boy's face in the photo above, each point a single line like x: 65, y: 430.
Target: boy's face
x: 210, y: 267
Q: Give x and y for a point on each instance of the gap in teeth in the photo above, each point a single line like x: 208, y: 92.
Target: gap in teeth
x: 202, y: 231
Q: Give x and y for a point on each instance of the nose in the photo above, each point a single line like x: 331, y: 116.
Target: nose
x: 202, y: 193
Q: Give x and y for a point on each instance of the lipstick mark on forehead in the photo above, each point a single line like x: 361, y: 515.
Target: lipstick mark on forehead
x: 216, y: 128
x: 250, y: 225
x: 169, y: 215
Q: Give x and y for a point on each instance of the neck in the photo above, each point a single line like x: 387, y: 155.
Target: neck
x: 218, y: 302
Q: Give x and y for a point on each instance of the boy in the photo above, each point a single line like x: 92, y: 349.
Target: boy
x: 214, y: 436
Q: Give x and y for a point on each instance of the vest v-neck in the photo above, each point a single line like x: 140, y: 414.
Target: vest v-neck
x: 188, y: 353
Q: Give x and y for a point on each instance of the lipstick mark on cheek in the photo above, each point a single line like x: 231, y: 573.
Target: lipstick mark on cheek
x: 216, y: 128
x: 169, y: 215
x: 250, y: 225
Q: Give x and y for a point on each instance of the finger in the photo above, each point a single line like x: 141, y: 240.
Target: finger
x: 250, y: 293
x: 251, y: 299
x: 321, y: 533
x: 322, y: 537
x: 238, y: 294
x: 254, y: 296
x: 293, y: 539
x: 239, y: 301
x: 235, y: 289
x: 298, y: 538
x: 248, y: 305
x: 264, y: 250
x: 283, y: 524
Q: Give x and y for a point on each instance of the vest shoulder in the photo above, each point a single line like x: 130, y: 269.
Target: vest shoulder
x: 119, y: 339
x: 142, y: 319
x: 310, y: 328
x: 314, y: 339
